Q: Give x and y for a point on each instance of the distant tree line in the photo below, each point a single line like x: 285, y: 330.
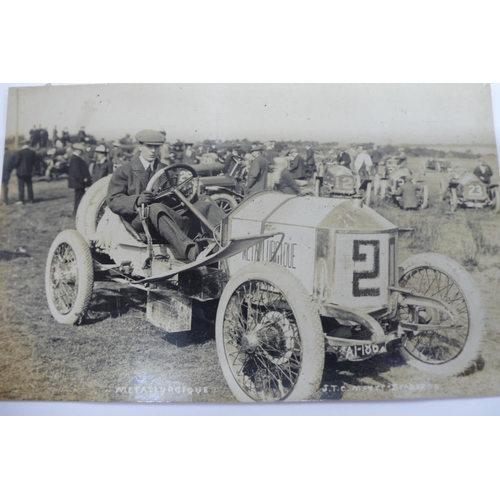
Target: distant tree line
x: 245, y: 145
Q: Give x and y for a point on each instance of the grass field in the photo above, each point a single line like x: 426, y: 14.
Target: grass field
x: 117, y: 356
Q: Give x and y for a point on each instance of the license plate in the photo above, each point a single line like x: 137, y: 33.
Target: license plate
x: 359, y: 352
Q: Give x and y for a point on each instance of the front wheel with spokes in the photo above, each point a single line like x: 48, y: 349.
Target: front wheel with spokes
x: 269, y: 337
x: 452, y: 343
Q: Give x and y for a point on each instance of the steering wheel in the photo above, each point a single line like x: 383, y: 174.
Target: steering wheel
x: 174, y: 186
x: 175, y: 189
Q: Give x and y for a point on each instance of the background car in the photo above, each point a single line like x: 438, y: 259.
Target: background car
x: 464, y: 189
x: 387, y: 188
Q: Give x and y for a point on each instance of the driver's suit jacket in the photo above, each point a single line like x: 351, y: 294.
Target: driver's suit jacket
x: 125, y: 186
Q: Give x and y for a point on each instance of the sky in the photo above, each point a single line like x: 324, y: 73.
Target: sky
x: 381, y: 113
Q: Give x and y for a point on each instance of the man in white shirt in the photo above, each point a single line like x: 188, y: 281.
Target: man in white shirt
x: 363, y: 163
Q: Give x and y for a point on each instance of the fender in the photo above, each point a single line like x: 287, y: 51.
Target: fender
x: 221, y: 189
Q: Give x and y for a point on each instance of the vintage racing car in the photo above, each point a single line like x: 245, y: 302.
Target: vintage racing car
x: 293, y: 277
x: 210, y: 164
x: 464, y: 189
x: 225, y: 189
x: 437, y: 164
x: 390, y: 164
x: 387, y: 188
x: 339, y: 181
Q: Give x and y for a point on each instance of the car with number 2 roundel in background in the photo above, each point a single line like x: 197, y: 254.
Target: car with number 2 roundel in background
x: 291, y: 278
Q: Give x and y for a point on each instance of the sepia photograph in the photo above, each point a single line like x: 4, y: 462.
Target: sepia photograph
x: 223, y: 243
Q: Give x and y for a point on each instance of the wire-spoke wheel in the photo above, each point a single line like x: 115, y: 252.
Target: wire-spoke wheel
x: 368, y: 194
x: 69, y: 277
x: 496, y: 200
x: 424, y: 202
x: 269, y: 337
x: 452, y: 343
x: 225, y: 202
x: 383, y: 189
x: 453, y: 200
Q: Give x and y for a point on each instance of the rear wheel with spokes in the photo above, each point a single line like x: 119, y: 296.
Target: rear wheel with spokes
x: 69, y: 277
x: 269, y: 336
x: 424, y: 202
x: 225, y: 202
x: 453, y: 199
x: 451, y: 344
x: 496, y: 200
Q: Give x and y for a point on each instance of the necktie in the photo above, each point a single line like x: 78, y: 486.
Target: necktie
x: 149, y: 171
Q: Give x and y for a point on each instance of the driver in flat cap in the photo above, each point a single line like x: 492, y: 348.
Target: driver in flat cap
x: 127, y: 192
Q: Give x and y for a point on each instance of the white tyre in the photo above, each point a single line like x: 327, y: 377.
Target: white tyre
x: 69, y: 277
x: 451, y: 346
x: 92, y: 207
x: 270, y: 342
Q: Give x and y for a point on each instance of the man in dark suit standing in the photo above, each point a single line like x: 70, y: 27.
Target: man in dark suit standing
x: 297, y: 165
x: 37, y: 136
x: 259, y: 168
x: 310, y: 160
x: 230, y: 160
x: 25, y: 164
x: 32, y: 137
x: 44, y: 138
x: 8, y: 165
x: 270, y: 152
x: 127, y: 193
x: 344, y: 159
x: 65, y: 138
x: 78, y: 175
x: 103, y: 166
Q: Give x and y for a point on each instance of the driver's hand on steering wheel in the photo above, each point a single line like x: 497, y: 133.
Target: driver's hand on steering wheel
x: 146, y: 198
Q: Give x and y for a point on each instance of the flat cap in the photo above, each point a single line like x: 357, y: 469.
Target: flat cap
x: 101, y: 149
x: 152, y: 137
x: 256, y: 147
x: 79, y: 145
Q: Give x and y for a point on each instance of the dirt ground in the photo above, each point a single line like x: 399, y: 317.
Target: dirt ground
x: 117, y: 356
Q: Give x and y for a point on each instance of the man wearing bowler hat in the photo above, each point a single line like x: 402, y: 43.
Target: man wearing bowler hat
x: 259, y: 168
x: 25, y: 163
x: 297, y: 165
x: 103, y: 165
x: 127, y: 193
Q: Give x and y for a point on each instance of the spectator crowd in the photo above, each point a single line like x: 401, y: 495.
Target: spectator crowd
x: 260, y: 165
